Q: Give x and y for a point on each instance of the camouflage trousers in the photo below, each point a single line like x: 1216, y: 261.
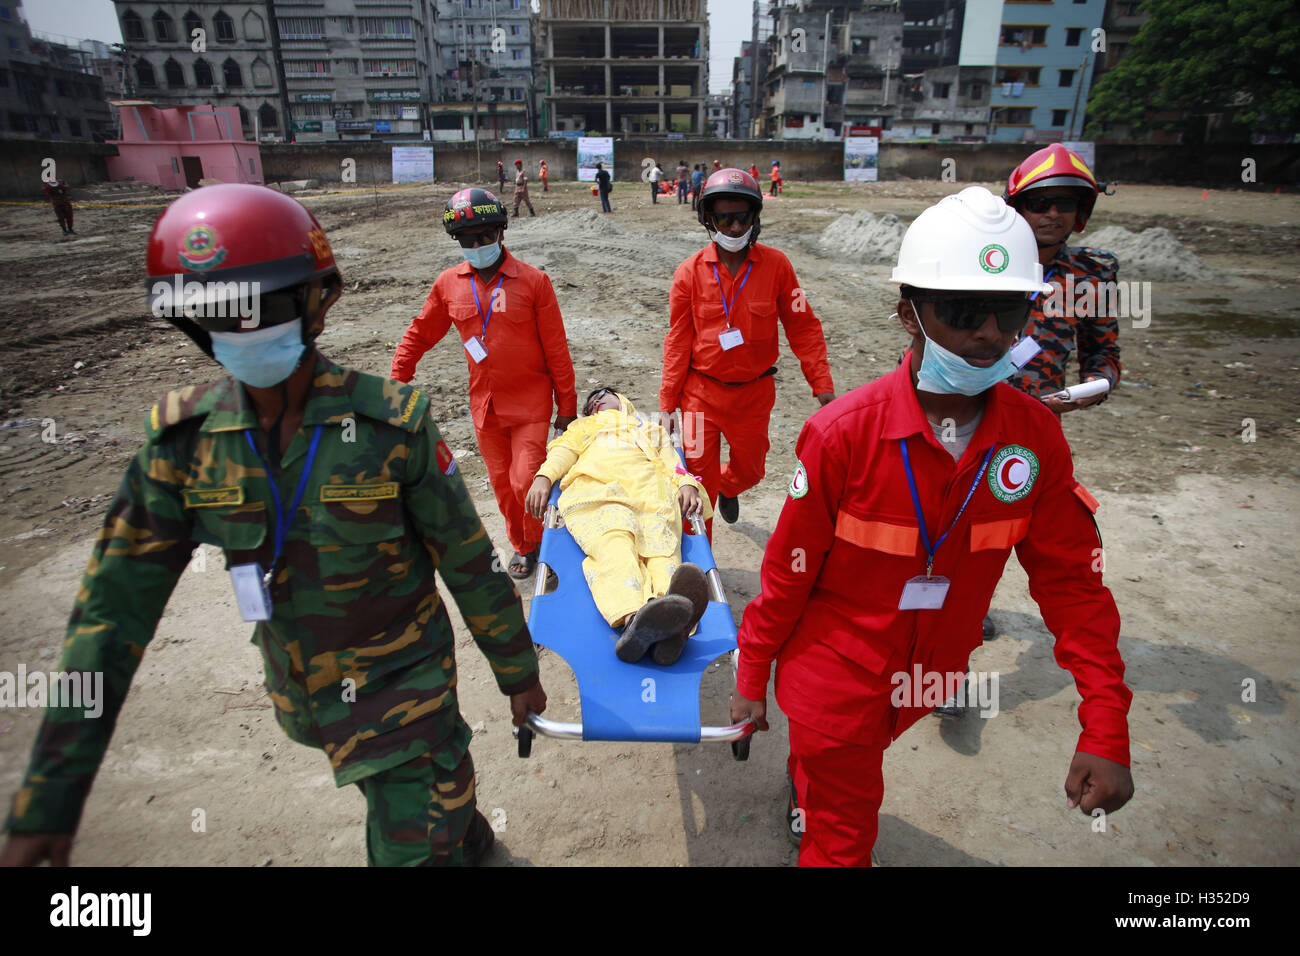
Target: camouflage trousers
x: 417, y: 813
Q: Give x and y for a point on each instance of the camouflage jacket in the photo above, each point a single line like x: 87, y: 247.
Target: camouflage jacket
x: 358, y: 654
x: 1071, y: 315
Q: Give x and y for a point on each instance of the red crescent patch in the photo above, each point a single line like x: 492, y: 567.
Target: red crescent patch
x: 1004, y: 474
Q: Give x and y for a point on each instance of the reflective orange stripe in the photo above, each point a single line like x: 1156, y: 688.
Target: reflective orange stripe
x: 877, y: 535
x: 998, y: 534
x: 1088, y: 500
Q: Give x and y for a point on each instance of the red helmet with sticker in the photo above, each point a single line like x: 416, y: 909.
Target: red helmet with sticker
x: 237, y: 240
x: 1055, y: 166
x: 473, y: 208
x: 729, y: 183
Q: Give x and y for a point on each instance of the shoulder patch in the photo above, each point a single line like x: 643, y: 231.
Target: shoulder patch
x: 799, y: 483
x: 446, y: 460
x: 1012, y: 473
x: 391, y: 402
x: 192, y: 401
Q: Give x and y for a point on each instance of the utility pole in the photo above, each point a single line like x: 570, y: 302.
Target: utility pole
x: 1078, y: 90
x: 753, y: 74
x: 478, y: 149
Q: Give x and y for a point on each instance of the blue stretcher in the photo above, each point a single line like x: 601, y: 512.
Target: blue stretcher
x: 620, y: 701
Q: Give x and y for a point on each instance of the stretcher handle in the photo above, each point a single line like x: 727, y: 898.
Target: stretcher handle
x: 737, y: 734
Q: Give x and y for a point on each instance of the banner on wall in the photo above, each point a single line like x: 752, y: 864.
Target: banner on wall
x: 412, y: 164
x: 861, y: 154
x: 593, y: 150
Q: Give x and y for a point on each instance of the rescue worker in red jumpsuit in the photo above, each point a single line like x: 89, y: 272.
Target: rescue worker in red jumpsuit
x: 910, y: 493
x: 510, y: 325
x: 721, y: 346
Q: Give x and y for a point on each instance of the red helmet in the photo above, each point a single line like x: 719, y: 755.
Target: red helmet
x: 519, y: 162
x: 1055, y: 166
x: 229, y: 234
x: 473, y: 208
x: 733, y: 183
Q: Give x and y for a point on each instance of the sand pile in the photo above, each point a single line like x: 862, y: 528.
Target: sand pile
x: 1153, y: 255
x: 571, y: 221
x: 863, y: 237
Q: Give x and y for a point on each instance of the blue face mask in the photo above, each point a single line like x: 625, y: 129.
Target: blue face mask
x: 262, y: 358
x: 947, y: 373
x: 480, y: 257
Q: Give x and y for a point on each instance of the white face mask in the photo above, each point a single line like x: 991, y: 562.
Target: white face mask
x: 733, y: 245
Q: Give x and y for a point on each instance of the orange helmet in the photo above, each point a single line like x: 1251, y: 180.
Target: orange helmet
x: 1055, y: 166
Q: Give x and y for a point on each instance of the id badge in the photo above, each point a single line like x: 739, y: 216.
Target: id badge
x: 474, y: 346
x: 1023, y: 351
x: 251, y: 592
x: 924, y: 594
x: 730, y: 339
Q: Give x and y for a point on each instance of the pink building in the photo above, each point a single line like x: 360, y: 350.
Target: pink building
x: 176, y: 146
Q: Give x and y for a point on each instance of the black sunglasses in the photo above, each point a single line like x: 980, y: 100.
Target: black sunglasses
x: 723, y: 219
x: 971, y: 312
x: 1040, y: 204
x: 468, y: 240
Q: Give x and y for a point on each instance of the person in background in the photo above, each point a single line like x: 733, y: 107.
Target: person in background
x: 543, y: 173
x: 603, y: 186
x: 521, y: 189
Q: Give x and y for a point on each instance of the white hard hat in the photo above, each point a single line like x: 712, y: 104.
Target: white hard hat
x: 970, y: 241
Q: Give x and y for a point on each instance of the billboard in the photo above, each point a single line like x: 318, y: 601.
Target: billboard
x: 412, y: 164
x: 593, y: 150
x: 860, y: 157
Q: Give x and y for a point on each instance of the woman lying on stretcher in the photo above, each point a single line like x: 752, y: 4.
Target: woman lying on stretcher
x: 624, y: 494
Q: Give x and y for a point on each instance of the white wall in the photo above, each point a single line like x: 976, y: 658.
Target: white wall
x: 980, y: 31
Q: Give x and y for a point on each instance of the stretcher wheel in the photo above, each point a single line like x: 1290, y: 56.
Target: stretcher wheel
x: 740, y: 748
x: 525, y: 735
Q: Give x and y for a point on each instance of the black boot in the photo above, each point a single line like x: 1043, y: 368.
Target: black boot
x: 478, y: 841
x: 728, y: 507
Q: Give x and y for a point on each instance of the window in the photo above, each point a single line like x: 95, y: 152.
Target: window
x: 254, y: 29
x: 1128, y: 9
x: 224, y: 26
x: 261, y: 73
x: 203, y: 73
x: 163, y: 28
x: 861, y: 45
x: 301, y: 28
x: 347, y: 67
x: 144, y: 73
x: 192, y: 22
x: 132, y: 26
x: 940, y: 91
x: 1067, y: 78
x: 1023, y: 74
x: 1072, y: 35
x: 268, y: 117
x: 175, y: 76
x: 934, y: 129
x: 1013, y: 116
x: 1058, y: 117
x: 4, y: 13
x: 1024, y: 36
x: 232, y: 74
x: 809, y: 84
x: 390, y: 67
x: 13, y: 43
x: 516, y: 93
x: 396, y: 28
x: 74, y: 127
x: 516, y: 54
x: 307, y: 68
x: 514, y: 29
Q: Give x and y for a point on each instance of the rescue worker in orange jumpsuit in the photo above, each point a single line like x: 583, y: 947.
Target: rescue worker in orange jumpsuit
x: 510, y: 325
x: 721, y: 347
x: 543, y: 173
x: 910, y: 493
x: 776, y: 186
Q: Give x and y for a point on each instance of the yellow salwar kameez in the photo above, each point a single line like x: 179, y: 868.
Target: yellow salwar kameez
x: 619, y: 475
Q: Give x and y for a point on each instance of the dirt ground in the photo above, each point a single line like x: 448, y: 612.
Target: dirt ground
x: 1199, y: 525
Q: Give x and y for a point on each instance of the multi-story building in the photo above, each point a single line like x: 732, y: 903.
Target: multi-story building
x: 945, y: 102
x: 483, y: 70
x: 718, y: 120
x: 47, y: 90
x: 833, y: 63
x: 1043, y: 67
x: 631, y: 66
x: 747, y: 100
x: 233, y: 61
x: 355, y: 69
x: 932, y: 31
x: 107, y: 63
x: 1121, y: 22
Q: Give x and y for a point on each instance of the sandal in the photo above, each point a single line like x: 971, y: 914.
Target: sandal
x: 527, y: 563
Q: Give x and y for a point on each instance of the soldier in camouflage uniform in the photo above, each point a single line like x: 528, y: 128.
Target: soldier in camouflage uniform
x: 1055, y: 192
x: 358, y: 648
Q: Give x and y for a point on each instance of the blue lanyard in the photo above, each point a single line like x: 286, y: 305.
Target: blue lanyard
x: 283, y: 520
x: 920, y: 515
x: 488, y: 318
x: 726, y: 309
x: 1050, y: 272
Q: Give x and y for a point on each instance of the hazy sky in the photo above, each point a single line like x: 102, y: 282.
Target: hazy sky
x: 74, y: 20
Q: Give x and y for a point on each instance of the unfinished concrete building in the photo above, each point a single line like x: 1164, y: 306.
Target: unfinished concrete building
x: 624, y: 66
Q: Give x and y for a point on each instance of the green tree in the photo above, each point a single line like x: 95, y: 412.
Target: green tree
x: 1193, y: 57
